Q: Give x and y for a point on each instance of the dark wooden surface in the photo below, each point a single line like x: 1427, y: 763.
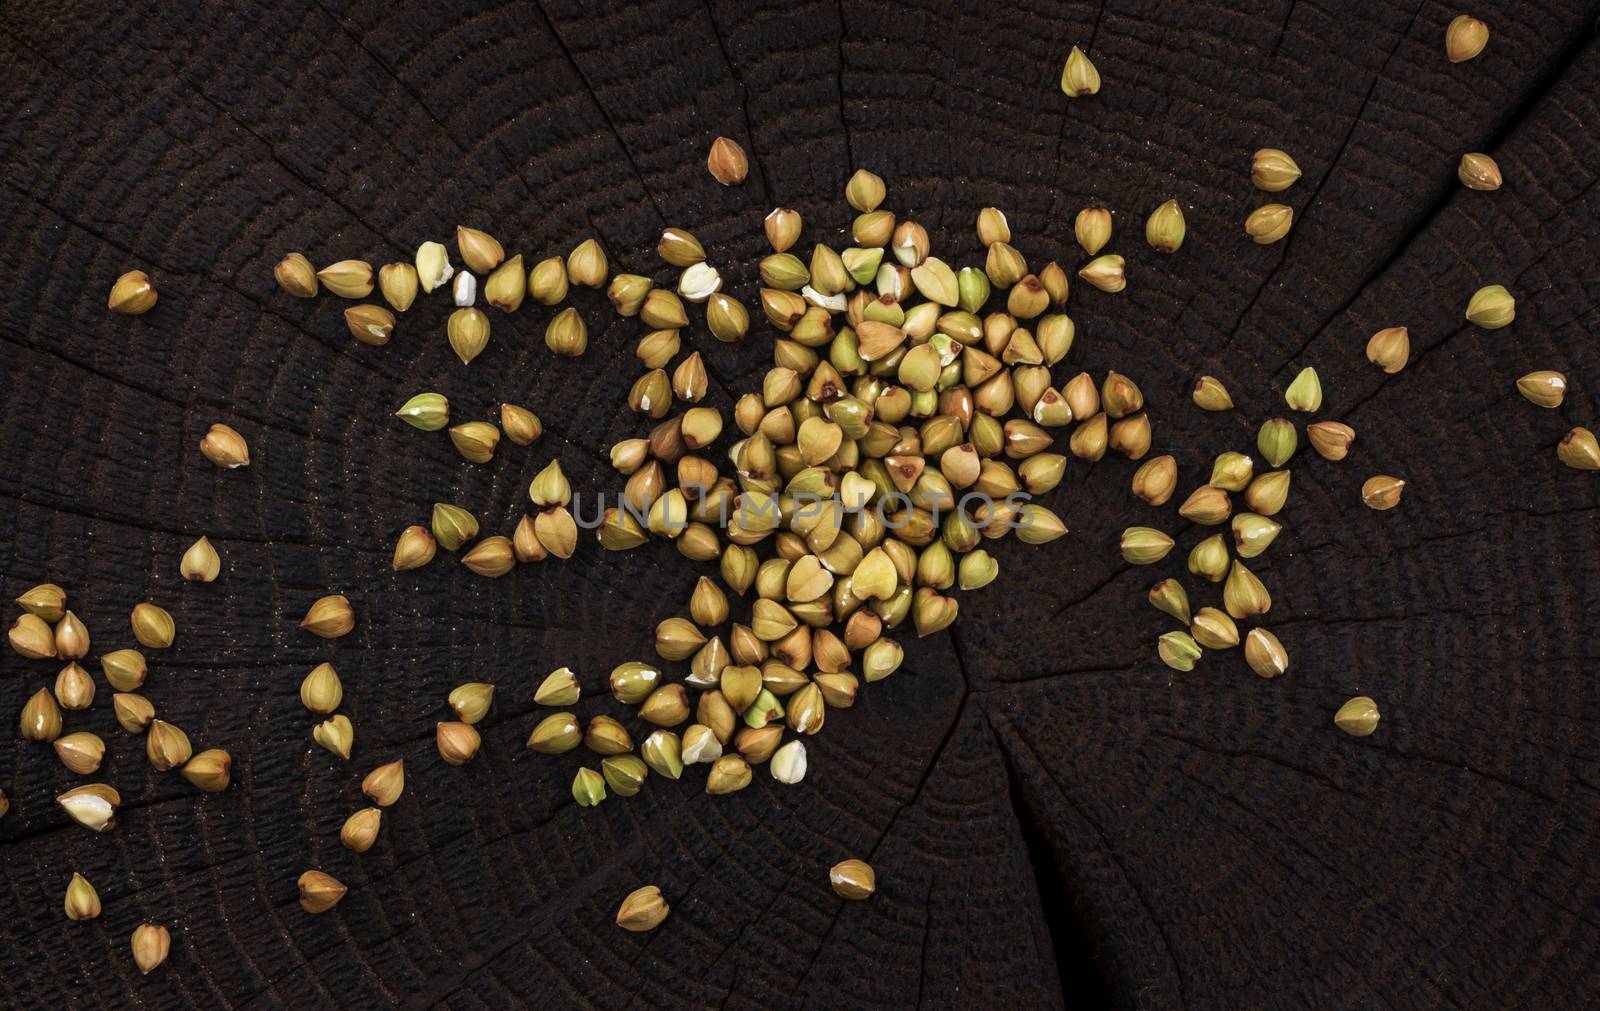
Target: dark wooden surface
x: 1055, y: 817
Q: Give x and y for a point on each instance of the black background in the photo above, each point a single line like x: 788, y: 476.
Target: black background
x: 1055, y: 817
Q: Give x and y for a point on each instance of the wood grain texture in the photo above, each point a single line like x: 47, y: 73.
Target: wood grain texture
x: 1055, y: 818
